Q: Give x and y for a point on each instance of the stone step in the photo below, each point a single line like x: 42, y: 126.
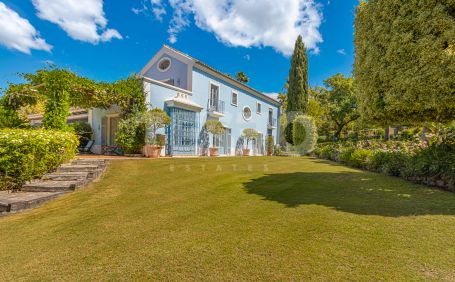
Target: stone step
x: 67, y: 176
x: 100, y: 166
x: 52, y: 186
x: 13, y: 202
x: 93, y: 170
x: 77, y: 167
x: 89, y: 161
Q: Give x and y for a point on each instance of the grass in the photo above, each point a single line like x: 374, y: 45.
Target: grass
x: 235, y: 219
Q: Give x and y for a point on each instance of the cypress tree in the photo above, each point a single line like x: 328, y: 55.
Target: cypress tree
x: 297, y: 100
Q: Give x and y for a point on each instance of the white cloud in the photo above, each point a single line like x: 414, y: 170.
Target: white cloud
x: 82, y: 20
x: 17, y: 33
x: 158, y: 9
x: 137, y: 10
x: 251, y: 23
x: 341, y: 52
x: 247, y: 57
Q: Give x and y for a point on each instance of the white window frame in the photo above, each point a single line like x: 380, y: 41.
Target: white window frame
x: 168, y: 67
x: 243, y: 113
x: 214, y: 83
x: 237, y: 98
x: 258, y: 107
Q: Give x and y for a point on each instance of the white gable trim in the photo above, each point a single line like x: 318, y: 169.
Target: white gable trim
x: 165, y: 50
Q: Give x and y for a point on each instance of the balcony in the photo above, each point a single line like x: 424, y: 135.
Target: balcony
x: 271, y: 123
x: 215, y: 108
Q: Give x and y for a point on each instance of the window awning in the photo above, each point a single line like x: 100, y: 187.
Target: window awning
x: 181, y: 101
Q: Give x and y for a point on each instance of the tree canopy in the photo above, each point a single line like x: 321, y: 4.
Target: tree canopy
x: 242, y: 77
x: 338, y: 101
x: 59, y: 89
x: 405, y: 61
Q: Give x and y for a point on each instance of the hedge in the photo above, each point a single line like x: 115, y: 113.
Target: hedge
x: 432, y: 165
x: 26, y: 154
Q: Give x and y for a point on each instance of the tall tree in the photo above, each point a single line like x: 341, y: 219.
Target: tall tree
x: 297, y: 100
x: 241, y: 77
x: 405, y: 61
x: 338, y: 102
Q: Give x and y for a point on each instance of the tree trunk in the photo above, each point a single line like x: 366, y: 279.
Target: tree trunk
x: 387, y: 133
x: 338, y: 132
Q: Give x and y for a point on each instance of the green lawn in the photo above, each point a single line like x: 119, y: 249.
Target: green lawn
x: 268, y: 218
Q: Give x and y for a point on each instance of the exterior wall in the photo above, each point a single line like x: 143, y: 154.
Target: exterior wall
x: 233, y: 116
x: 178, y: 71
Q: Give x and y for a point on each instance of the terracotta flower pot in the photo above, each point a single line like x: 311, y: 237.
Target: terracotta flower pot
x: 152, y: 151
x: 214, y: 152
x: 246, y: 152
x: 204, y: 152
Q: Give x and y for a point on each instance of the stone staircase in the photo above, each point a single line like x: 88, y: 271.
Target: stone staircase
x: 67, y: 178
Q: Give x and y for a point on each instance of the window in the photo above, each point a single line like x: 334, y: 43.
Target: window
x: 247, y: 113
x: 214, y: 98
x: 258, y: 108
x: 164, y: 64
x: 234, y: 99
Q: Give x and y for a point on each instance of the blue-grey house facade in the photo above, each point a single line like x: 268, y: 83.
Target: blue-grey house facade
x: 191, y: 93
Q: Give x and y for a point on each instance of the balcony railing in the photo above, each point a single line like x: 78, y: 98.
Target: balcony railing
x: 216, y: 106
x: 272, y: 122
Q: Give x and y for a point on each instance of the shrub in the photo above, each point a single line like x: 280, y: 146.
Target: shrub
x: 28, y: 154
x: 360, y: 158
x: 436, y: 162
x: 11, y: 119
x: 394, y: 162
x: 433, y: 165
x: 345, y: 155
x: 131, y: 134
x: 277, y: 150
x: 270, y: 143
x: 83, y: 131
x: 304, y: 134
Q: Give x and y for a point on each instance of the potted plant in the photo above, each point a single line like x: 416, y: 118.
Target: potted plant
x: 249, y: 134
x: 214, y: 127
x: 153, y: 120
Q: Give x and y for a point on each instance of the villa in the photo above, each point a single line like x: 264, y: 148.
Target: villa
x: 191, y: 93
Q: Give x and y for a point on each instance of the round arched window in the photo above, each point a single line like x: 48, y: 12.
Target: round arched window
x: 164, y: 64
x: 246, y: 113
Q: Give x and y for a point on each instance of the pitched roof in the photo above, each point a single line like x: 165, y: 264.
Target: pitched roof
x: 225, y: 77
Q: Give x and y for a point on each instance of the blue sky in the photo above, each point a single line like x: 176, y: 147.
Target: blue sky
x: 112, y: 39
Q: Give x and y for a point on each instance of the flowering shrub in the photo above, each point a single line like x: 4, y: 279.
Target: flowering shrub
x: 28, y: 154
x: 416, y: 161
